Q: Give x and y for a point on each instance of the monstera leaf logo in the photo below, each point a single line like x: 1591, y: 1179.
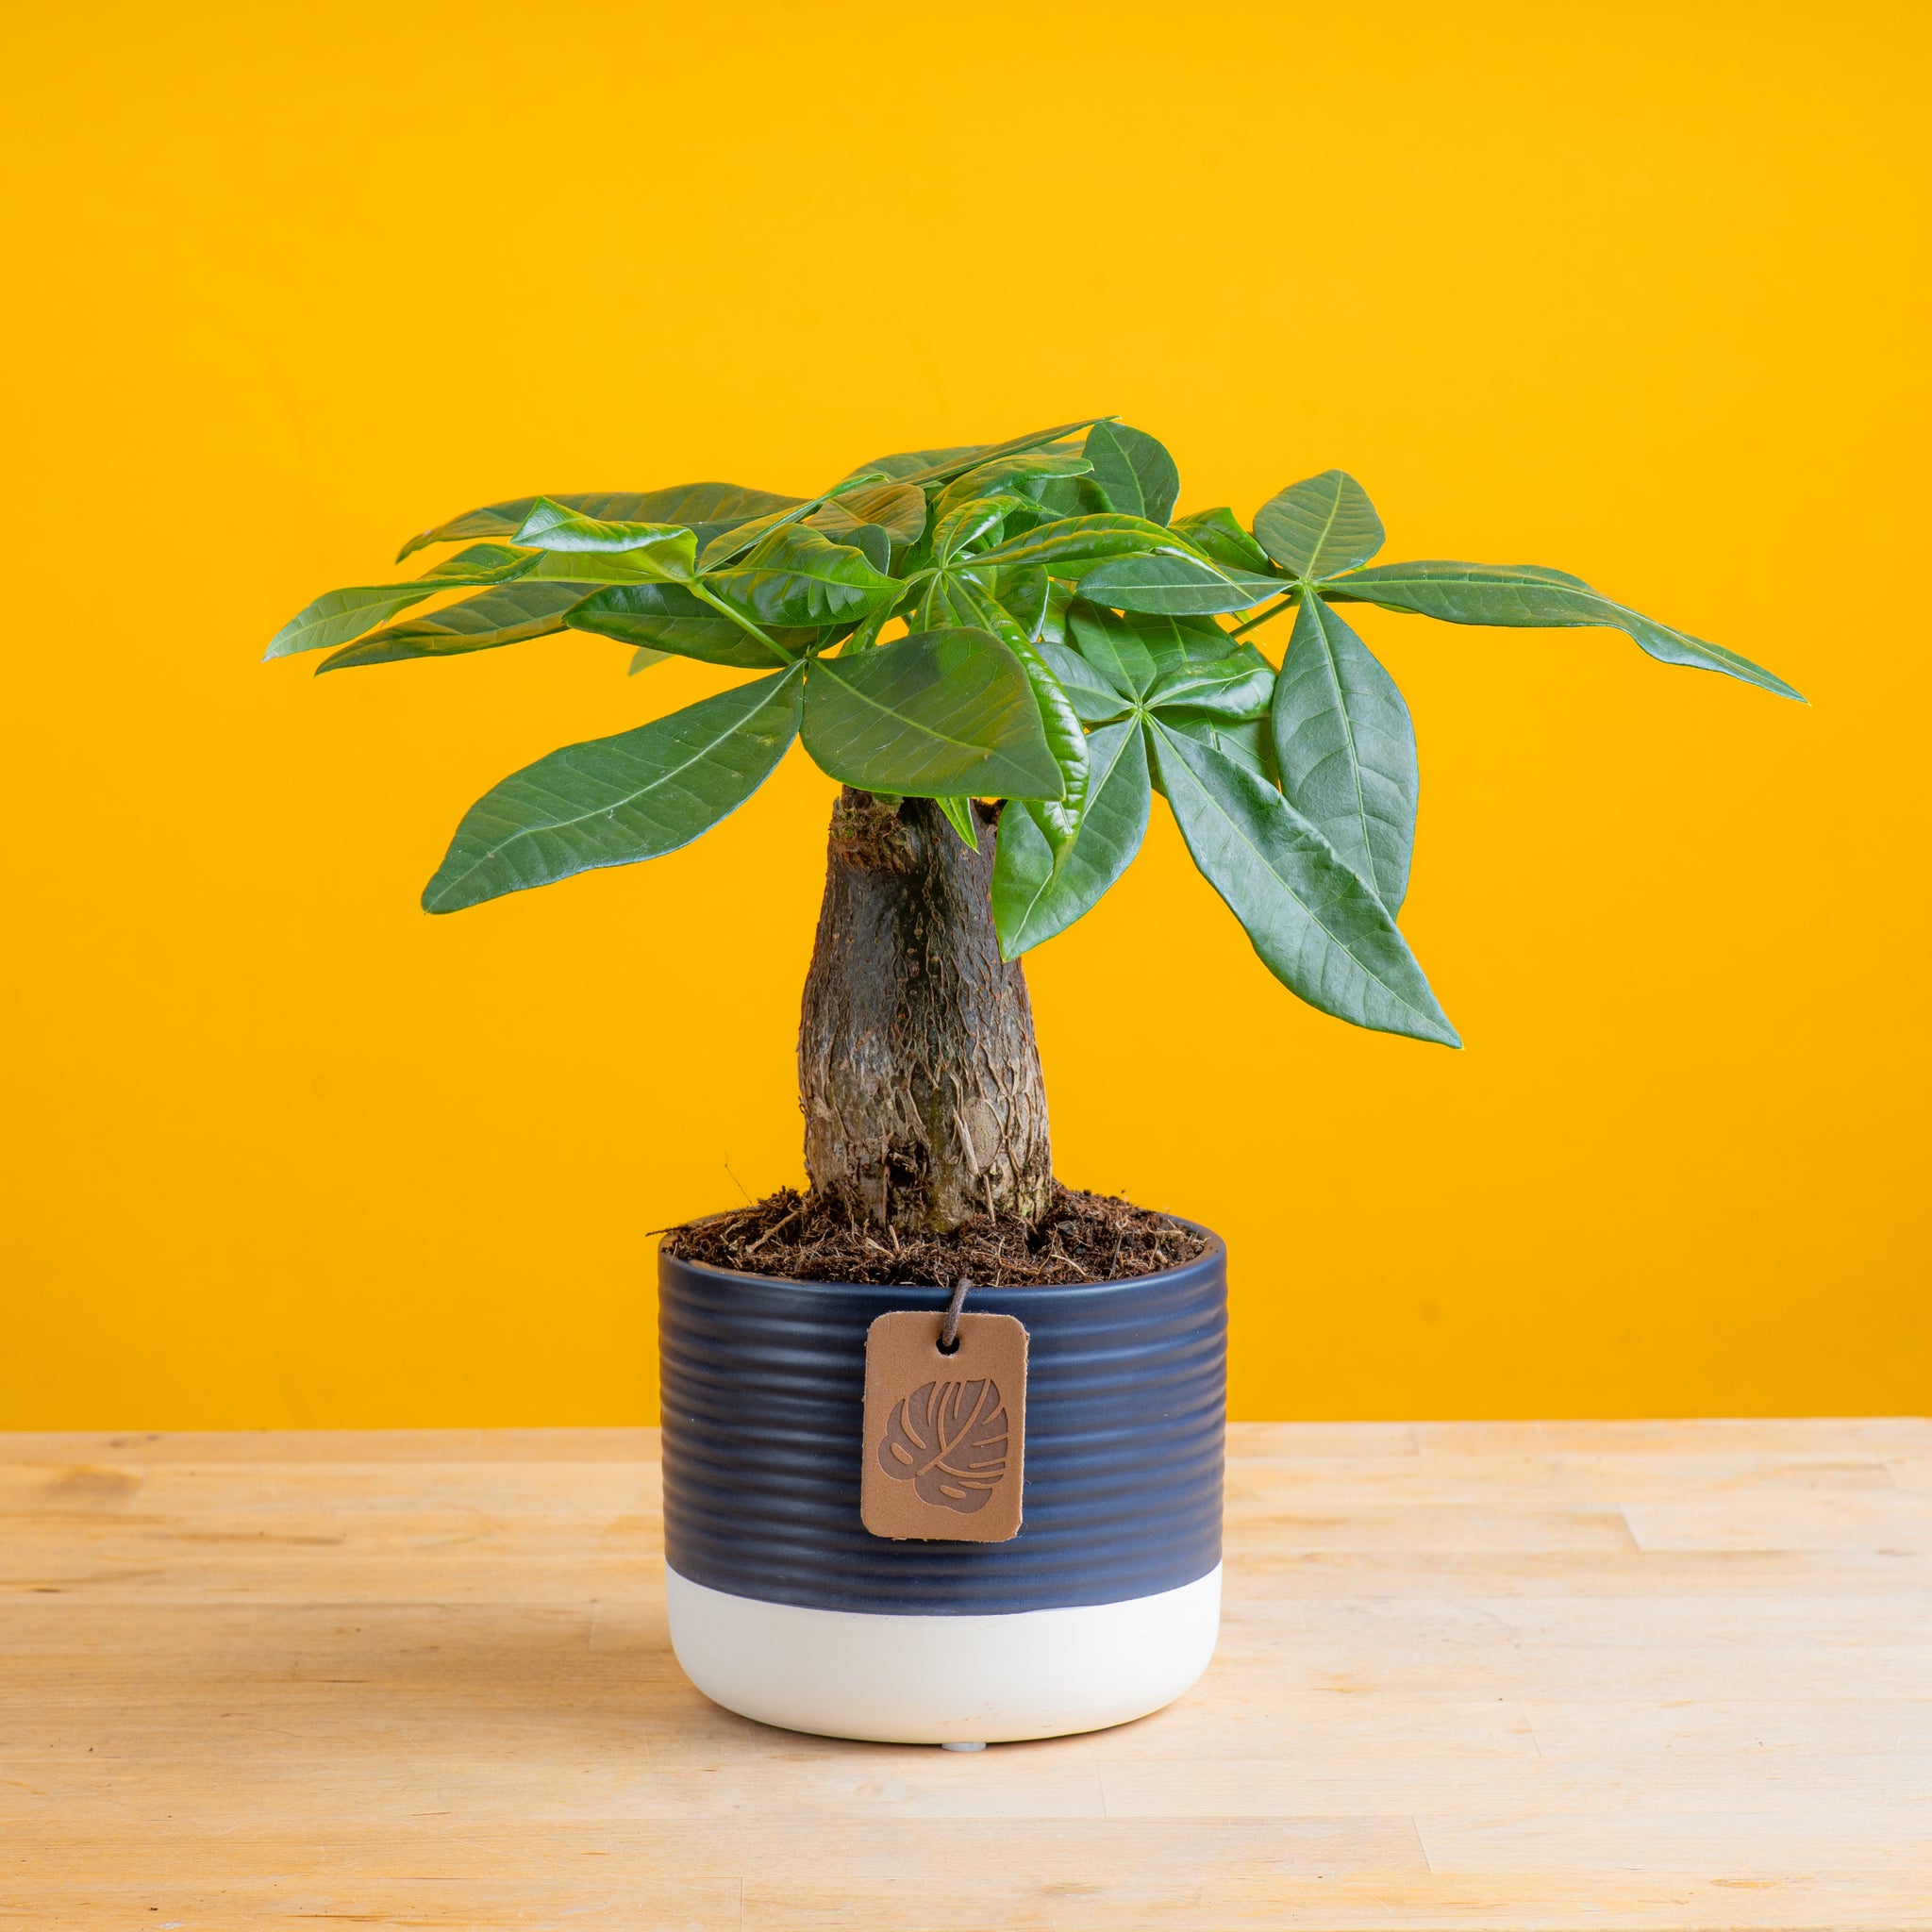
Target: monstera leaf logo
x: 948, y: 1439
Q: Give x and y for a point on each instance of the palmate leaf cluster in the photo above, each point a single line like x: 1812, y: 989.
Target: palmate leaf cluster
x: 1066, y: 649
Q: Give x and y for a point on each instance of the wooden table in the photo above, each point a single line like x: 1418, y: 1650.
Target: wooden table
x: 1475, y: 1674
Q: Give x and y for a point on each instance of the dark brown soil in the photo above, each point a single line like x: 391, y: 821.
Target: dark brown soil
x: 806, y: 1238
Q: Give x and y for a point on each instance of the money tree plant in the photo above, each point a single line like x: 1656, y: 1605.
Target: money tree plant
x: 1001, y: 651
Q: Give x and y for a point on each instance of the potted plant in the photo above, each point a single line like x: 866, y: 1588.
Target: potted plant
x: 892, y: 1510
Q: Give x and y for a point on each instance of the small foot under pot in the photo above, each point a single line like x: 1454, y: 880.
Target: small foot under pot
x: 783, y: 1608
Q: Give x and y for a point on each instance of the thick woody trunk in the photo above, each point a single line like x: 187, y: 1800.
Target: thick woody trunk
x: 917, y: 1067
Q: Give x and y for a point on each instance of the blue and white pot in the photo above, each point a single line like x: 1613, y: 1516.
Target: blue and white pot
x: 783, y: 1608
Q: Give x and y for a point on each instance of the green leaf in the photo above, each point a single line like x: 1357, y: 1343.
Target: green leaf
x: 507, y: 615
x: 616, y: 800
x: 1028, y: 597
x: 1321, y: 525
x: 1115, y: 648
x: 1177, y: 586
x: 958, y: 813
x: 897, y: 508
x: 940, y: 714
x: 1018, y: 476
x: 1045, y: 623
x: 644, y: 658
x: 1236, y: 687
x: 669, y: 550
x: 969, y: 522
x: 1180, y: 643
x: 733, y: 544
x: 1317, y: 928
x: 1134, y: 472
x: 867, y: 634
x: 1079, y: 539
x: 1134, y: 650
x: 910, y: 462
x: 1034, y: 897
x: 1068, y: 496
x: 1248, y: 744
x: 1530, y: 595
x: 797, y: 576
x: 1066, y: 737
x: 590, y: 568
x: 708, y: 508
x: 1094, y: 700
x: 1218, y: 534
x: 1346, y: 749
x: 481, y: 563
x: 666, y: 617
x: 940, y: 603
x: 874, y: 543
x: 927, y: 466
x: 337, y: 616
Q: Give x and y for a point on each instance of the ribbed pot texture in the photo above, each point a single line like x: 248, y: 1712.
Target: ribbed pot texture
x: 763, y: 1395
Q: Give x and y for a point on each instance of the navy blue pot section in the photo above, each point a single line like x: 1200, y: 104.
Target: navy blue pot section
x: 765, y: 1389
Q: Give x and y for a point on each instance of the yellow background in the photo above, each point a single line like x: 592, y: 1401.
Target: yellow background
x: 1634, y: 290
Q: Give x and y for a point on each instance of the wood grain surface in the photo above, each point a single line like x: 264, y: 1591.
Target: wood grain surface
x: 1605, y: 1674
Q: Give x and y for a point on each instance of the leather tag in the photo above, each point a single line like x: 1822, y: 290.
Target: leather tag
x: 945, y: 1435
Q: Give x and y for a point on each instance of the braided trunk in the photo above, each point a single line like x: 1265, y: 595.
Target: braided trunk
x: 917, y: 1067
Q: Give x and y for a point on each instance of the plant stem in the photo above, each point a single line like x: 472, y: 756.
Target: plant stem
x: 1288, y: 602
x: 917, y: 1065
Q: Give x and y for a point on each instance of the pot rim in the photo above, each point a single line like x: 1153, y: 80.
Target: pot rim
x: 1217, y: 1250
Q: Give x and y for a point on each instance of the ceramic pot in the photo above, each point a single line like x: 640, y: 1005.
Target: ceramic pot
x: 783, y: 1608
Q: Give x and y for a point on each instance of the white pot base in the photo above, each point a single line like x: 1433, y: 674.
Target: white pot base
x: 943, y: 1680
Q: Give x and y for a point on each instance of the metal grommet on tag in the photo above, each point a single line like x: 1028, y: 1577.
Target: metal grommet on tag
x: 945, y: 1427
